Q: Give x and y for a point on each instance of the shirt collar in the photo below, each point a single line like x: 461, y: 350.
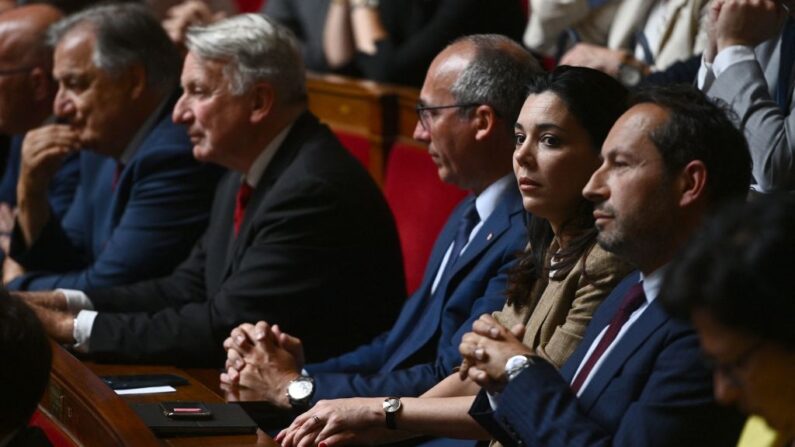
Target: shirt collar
x: 653, y: 282
x: 143, y: 132
x: 262, y: 161
x: 487, y: 200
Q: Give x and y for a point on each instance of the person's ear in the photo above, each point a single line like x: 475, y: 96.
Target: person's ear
x: 136, y: 76
x: 484, y: 121
x: 692, y: 183
x: 42, y: 85
x: 262, y: 100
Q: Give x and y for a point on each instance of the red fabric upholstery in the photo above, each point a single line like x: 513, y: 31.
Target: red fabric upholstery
x: 525, y: 8
x: 250, y: 5
x: 421, y: 204
x: 357, y: 145
x: 57, y: 437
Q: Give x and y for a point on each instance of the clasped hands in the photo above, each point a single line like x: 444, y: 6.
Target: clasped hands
x: 486, y: 349
x: 361, y: 420
x: 52, y: 310
x: 263, y: 360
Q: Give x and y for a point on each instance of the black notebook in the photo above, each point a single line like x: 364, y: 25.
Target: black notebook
x: 226, y: 419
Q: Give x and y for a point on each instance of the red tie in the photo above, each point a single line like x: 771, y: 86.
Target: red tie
x: 241, y: 200
x: 632, y: 301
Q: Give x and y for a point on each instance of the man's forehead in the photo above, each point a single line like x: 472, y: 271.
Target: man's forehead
x: 75, y: 50
x: 198, y: 69
x: 445, y: 69
x: 634, y: 128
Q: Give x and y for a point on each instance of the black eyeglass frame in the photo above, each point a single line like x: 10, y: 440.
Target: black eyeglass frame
x: 420, y: 109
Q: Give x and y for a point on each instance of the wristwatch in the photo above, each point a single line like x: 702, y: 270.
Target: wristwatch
x: 364, y: 3
x: 629, y: 75
x: 517, y: 364
x: 392, y: 407
x: 300, y: 391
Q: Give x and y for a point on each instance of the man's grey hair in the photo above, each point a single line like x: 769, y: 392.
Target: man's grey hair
x: 496, y: 76
x: 254, y: 48
x: 126, y: 35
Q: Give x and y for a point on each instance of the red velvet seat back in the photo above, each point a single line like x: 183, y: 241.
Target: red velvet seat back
x: 421, y: 204
x: 357, y: 145
x: 54, y: 432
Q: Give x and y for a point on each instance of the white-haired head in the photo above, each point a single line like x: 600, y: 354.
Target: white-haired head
x: 254, y: 48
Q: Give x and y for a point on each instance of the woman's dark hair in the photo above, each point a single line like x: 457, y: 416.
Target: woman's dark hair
x: 595, y: 100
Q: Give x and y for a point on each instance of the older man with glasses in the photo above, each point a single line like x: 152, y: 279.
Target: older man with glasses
x: 468, y: 107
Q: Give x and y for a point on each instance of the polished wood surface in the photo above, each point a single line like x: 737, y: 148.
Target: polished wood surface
x: 380, y: 113
x: 94, y: 415
x: 87, y: 409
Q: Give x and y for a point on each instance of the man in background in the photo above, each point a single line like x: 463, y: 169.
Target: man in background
x: 142, y: 199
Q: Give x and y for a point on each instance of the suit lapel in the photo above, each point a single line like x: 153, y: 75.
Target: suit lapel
x: 653, y: 317
x: 284, y: 156
x: 493, y: 227
x: 673, y: 13
x: 424, y: 329
x: 416, y: 304
x: 631, y: 14
x: 600, y: 319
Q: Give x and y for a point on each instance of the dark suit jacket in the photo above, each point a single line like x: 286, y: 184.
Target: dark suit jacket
x: 317, y: 253
x: 652, y: 390
x: 62, y: 188
x: 422, y: 347
x: 29, y: 437
x: 140, y: 229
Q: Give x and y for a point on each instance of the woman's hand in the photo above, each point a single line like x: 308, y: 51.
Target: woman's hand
x: 487, y: 348
x: 334, y: 422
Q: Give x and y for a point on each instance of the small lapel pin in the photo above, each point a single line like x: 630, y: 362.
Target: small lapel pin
x: 490, y: 235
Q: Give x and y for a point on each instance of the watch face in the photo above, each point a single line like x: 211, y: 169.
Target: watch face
x: 392, y: 405
x: 515, y: 362
x: 300, y: 389
x: 629, y: 75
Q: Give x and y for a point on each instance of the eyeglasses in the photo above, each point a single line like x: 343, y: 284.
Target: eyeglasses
x: 425, y: 115
x: 13, y: 71
x: 730, y: 370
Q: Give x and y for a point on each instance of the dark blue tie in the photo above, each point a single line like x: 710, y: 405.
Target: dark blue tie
x: 468, y: 221
x: 786, y: 59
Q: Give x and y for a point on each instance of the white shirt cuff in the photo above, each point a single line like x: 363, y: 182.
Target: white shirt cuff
x: 84, y: 322
x: 730, y: 56
x: 76, y: 300
x: 492, y: 400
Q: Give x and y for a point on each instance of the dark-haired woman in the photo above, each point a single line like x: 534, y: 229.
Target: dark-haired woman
x: 560, y: 280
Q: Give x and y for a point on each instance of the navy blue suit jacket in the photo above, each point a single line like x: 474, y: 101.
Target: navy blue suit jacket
x: 422, y: 347
x: 652, y: 390
x: 62, y: 188
x: 139, y: 229
x: 317, y: 253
